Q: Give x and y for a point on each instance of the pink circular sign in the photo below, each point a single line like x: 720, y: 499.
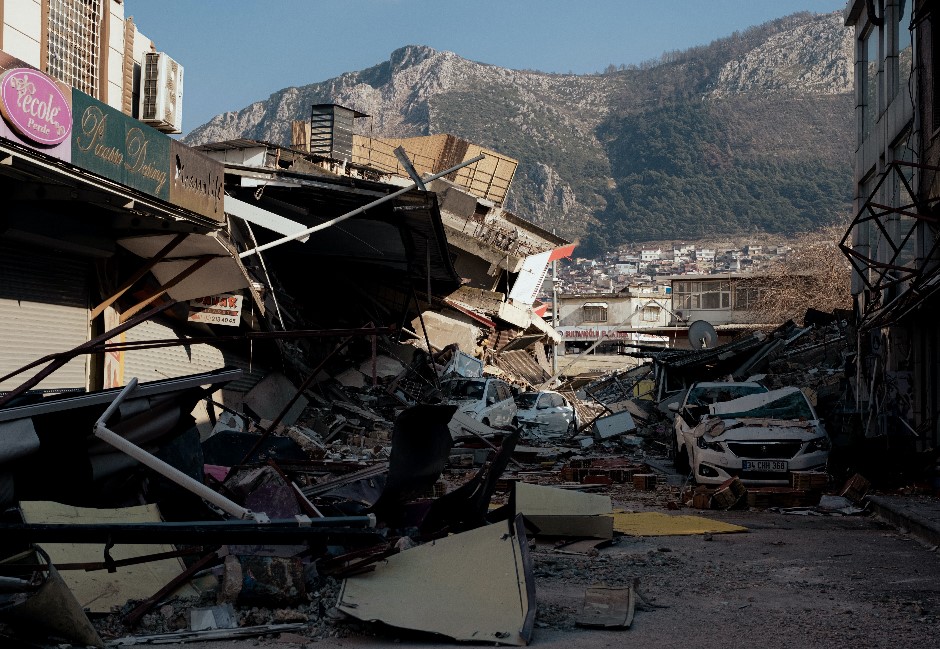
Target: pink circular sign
x: 34, y: 106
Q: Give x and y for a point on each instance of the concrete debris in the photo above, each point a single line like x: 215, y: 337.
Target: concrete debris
x: 359, y: 478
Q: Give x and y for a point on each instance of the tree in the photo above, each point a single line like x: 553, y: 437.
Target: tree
x: 814, y: 274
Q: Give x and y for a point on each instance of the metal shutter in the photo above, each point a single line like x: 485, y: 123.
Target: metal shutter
x: 166, y: 362
x: 43, y: 310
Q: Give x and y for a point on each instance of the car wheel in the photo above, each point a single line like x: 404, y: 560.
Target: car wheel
x: 680, y: 457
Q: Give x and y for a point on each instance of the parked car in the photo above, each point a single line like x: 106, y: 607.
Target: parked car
x: 695, y: 404
x: 488, y: 400
x: 546, y: 414
x: 759, y: 438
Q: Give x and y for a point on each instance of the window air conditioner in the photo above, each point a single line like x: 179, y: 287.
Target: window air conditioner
x: 161, y: 93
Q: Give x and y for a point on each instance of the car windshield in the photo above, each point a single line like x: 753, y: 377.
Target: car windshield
x: 465, y: 390
x: 527, y: 399
x: 790, y: 405
x: 704, y: 395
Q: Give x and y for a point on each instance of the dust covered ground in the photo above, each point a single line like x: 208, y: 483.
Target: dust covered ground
x: 790, y: 581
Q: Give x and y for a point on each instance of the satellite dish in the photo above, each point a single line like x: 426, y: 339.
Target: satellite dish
x: 702, y: 334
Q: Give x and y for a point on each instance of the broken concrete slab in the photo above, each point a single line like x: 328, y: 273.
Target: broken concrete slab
x: 474, y: 586
x: 443, y: 331
x: 271, y: 395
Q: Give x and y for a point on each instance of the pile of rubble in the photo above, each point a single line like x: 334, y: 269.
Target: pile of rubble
x: 313, y: 505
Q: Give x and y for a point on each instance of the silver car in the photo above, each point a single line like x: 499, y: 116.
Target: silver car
x: 487, y: 400
x: 546, y: 414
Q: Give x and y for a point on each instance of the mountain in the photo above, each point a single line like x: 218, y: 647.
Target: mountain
x: 751, y: 133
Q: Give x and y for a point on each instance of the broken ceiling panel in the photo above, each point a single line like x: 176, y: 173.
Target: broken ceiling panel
x: 474, y: 586
x: 97, y: 591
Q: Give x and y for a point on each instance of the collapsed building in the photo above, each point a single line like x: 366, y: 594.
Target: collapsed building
x: 160, y: 307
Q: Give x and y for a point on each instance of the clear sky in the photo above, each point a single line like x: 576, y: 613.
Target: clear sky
x: 236, y: 52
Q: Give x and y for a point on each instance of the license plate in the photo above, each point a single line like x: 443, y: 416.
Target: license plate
x: 765, y: 465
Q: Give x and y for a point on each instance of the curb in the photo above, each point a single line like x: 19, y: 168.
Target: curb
x: 924, y: 529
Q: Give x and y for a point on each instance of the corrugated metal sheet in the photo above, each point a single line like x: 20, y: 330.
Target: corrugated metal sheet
x: 43, y: 310
x: 522, y: 365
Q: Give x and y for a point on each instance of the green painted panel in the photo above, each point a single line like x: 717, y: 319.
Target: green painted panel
x: 107, y: 142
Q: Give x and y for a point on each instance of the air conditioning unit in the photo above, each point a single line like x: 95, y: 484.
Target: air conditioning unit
x: 161, y: 93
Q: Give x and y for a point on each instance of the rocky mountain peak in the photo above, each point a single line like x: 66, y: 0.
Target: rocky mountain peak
x: 725, y: 134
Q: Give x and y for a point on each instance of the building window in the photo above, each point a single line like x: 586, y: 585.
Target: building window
x: 74, y: 42
x: 709, y: 294
x: 594, y: 312
x: 650, y: 313
x: 869, y: 80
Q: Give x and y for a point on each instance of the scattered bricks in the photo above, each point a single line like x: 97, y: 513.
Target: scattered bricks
x: 729, y: 493
x: 809, y: 480
x: 702, y: 500
x: 597, y: 479
x: 855, y: 488
x: 644, y: 481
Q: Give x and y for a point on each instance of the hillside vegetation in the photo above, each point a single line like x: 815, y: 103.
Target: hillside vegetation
x: 752, y: 133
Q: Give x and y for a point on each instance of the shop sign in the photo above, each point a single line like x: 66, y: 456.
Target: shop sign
x: 33, y: 104
x: 197, y: 181
x: 109, y: 143
x: 592, y: 333
x: 216, y: 309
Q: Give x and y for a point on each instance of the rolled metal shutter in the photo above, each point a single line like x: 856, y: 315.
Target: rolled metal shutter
x: 43, y: 310
x: 167, y: 362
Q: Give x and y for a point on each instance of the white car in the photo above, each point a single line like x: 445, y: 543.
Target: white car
x: 546, y: 414
x: 695, y: 403
x: 487, y: 400
x: 758, y: 438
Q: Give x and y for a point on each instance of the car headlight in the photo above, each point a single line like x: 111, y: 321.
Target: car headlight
x: 713, y: 446
x: 818, y: 444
